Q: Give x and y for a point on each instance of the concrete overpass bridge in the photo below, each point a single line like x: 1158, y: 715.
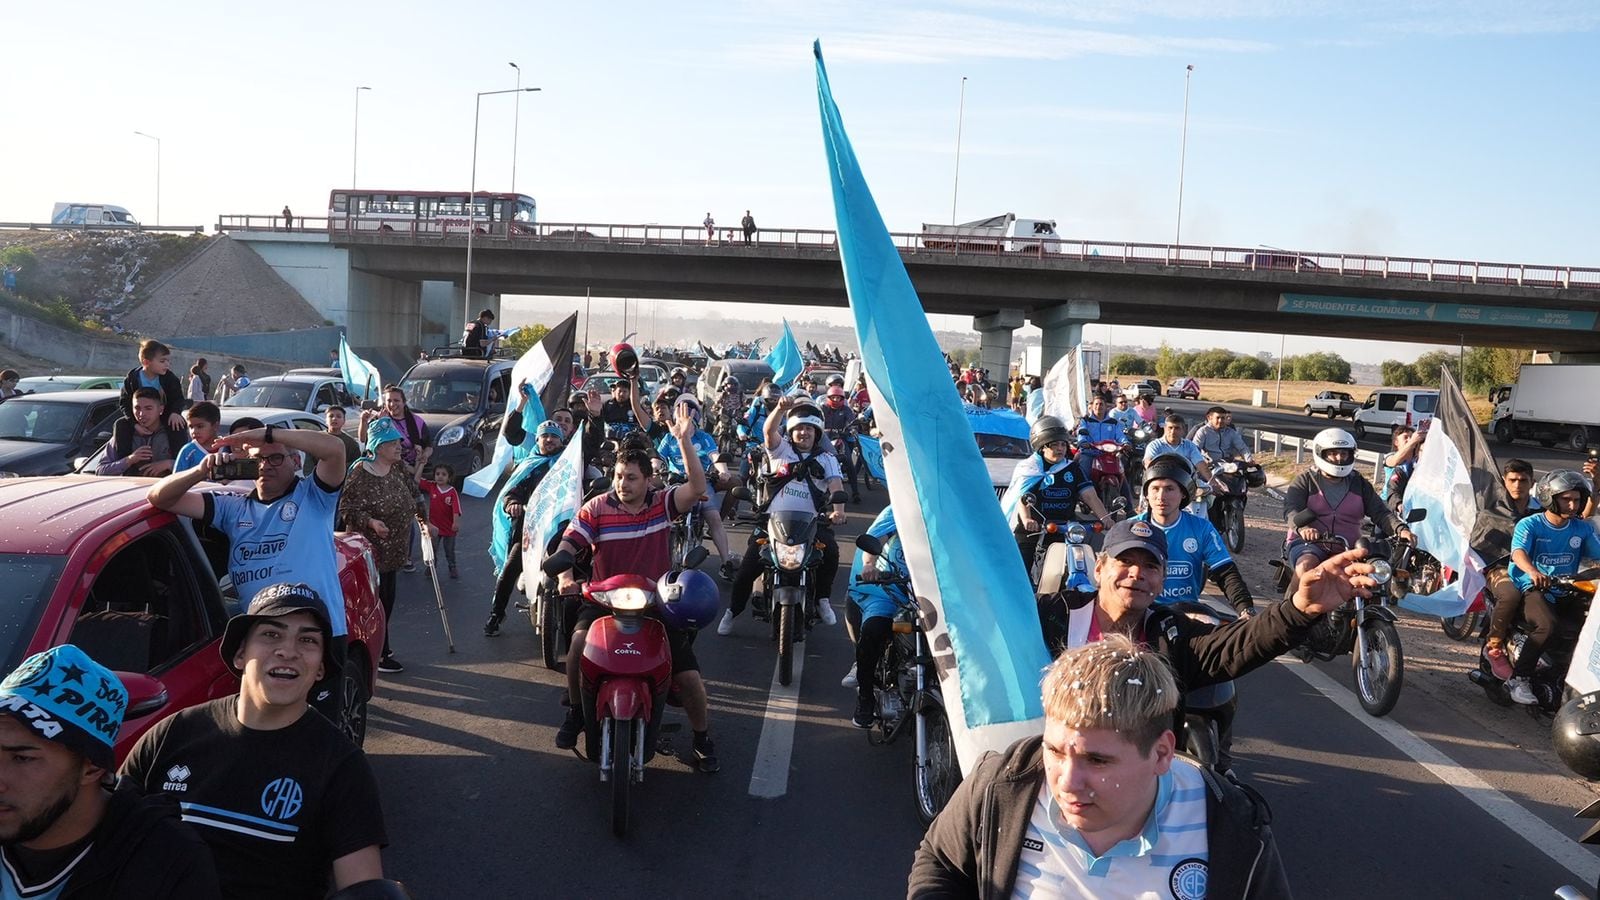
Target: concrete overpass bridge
x: 390, y: 284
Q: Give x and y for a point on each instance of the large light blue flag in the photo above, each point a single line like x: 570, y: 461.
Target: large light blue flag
x: 361, y: 378
x: 785, y: 359
x: 872, y: 455
x: 542, y: 374
x: 980, y: 614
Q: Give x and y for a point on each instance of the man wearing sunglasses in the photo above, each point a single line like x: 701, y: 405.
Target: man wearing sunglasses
x: 280, y: 532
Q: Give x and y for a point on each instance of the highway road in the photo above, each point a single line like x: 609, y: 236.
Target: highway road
x: 1299, y: 425
x: 1448, y: 797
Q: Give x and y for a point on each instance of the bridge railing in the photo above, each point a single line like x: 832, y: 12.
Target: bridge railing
x: 52, y: 226
x: 1113, y: 253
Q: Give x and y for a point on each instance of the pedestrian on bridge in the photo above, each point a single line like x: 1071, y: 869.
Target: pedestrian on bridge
x: 288, y: 218
x: 748, y: 223
x: 711, y: 229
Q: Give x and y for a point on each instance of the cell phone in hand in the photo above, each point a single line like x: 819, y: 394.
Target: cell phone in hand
x: 237, y: 469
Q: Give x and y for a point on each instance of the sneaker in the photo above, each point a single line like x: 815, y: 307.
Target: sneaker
x: 567, y: 737
x: 825, y: 612
x: 491, y: 628
x: 1521, y: 691
x: 410, y: 566
x: 866, y: 713
x: 705, y: 755
x: 1498, y: 663
x: 390, y: 665
x: 849, y: 679
x: 730, y: 568
x: 454, y: 573
x: 726, y: 625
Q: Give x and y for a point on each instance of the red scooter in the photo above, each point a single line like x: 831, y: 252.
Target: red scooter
x: 627, y: 669
x: 1106, y: 472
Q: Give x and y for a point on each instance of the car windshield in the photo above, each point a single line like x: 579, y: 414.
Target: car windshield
x: 1002, y: 446
x: 32, y: 420
x: 29, y: 579
x: 272, y: 394
x: 442, y: 394
x: 1424, y: 403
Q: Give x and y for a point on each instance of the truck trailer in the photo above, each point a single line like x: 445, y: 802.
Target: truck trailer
x: 1554, y: 403
x: 996, y: 234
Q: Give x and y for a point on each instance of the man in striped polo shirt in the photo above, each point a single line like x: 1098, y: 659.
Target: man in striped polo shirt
x: 1100, y: 805
x: 627, y: 530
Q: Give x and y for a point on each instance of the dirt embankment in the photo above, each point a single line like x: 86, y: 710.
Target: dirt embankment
x: 97, y: 273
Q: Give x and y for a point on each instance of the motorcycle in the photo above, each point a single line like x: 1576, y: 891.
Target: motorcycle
x: 688, y: 533
x: 1364, y: 628
x: 626, y: 673
x: 1106, y: 471
x: 1231, y: 483
x: 1207, y: 710
x: 1549, y: 678
x: 908, y: 696
x: 1139, y: 437
x: 1430, y: 576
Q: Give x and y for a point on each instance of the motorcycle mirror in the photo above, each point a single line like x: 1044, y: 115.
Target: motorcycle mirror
x: 869, y: 544
x: 1121, y: 503
x: 696, y: 557
x: 1416, y: 515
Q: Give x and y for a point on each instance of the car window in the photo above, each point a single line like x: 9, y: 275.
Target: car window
x: 1372, y: 401
x: 100, y: 420
x: 29, y: 580
x: 1391, y: 402
x: 1425, y: 403
x: 499, y: 389
x: 325, y: 396
x: 143, y: 613
x: 1001, y: 446
x: 22, y: 419
x: 456, y: 392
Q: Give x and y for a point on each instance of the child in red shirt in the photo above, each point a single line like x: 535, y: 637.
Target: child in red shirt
x: 444, y: 512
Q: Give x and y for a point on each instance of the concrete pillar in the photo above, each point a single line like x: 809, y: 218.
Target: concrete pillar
x: 1063, y: 328
x: 995, y: 330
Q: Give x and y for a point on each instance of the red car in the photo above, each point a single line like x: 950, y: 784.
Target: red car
x: 146, y: 593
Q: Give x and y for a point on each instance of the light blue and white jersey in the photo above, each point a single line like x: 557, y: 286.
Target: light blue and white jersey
x: 1168, y: 859
x: 1193, y: 548
x: 1554, y: 551
x: 705, y: 447
x: 873, y: 599
x: 189, y: 457
x: 289, y: 539
x: 1184, y: 448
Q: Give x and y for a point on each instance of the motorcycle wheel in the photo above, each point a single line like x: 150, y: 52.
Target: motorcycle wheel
x: 549, y: 631
x: 622, y: 741
x: 938, y: 776
x: 785, y: 624
x: 1464, y: 627
x: 1234, y: 533
x: 1380, y: 674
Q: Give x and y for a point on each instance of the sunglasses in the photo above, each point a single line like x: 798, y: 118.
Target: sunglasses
x: 274, y: 460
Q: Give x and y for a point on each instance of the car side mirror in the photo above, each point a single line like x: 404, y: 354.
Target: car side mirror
x: 146, y: 695
x: 869, y: 544
x: 323, y: 407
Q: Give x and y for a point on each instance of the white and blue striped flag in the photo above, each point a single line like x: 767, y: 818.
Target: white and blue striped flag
x: 977, y: 605
x: 361, y: 378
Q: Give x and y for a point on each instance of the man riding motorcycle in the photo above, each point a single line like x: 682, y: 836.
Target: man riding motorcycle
x: 838, y: 421
x: 1552, y: 543
x: 872, y: 611
x: 1099, y: 426
x: 1339, y: 497
x: 1219, y: 441
x: 1195, y: 549
x: 1047, y: 486
x: 756, y: 416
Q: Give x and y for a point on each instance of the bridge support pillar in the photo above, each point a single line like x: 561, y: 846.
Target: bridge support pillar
x: 995, y: 331
x: 1063, y: 328
x: 443, y: 305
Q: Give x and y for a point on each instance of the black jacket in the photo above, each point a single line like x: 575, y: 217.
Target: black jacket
x: 173, y: 397
x: 144, y: 851
x: 971, y: 850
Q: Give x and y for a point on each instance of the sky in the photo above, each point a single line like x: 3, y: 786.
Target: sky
x: 1459, y: 129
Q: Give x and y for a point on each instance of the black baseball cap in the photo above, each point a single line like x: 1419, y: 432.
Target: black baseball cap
x: 272, y: 602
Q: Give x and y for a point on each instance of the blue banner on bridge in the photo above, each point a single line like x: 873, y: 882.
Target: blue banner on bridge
x: 1442, y: 313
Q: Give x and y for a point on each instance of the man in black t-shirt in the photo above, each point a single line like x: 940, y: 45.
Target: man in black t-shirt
x: 475, y: 341
x: 65, y: 830
x: 282, y: 797
x: 619, y: 409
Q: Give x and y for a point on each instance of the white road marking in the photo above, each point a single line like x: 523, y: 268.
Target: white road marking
x: 770, y: 776
x: 1562, y: 848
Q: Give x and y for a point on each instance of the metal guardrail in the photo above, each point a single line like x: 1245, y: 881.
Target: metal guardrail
x: 1303, y: 445
x: 1124, y: 253
x: 49, y: 226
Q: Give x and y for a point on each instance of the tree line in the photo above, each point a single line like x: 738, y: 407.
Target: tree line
x: 1477, y: 370
x: 1221, y: 363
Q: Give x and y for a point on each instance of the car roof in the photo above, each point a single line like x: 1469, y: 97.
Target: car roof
x: 289, y: 378
x: 270, y: 415
x: 324, y: 371
x: 60, y: 509
x: 434, y: 368
x: 83, y: 398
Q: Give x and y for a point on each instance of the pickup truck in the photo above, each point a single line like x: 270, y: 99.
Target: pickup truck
x: 1331, y: 404
x: 1144, y: 387
x: 147, y: 594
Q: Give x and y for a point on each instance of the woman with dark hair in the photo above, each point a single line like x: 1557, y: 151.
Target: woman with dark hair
x: 382, y: 501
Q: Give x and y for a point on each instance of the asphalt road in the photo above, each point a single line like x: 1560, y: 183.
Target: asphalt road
x: 1300, y: 425
x: 478, y: 800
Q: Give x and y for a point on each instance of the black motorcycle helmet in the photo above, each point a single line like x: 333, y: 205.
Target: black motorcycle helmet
x: 1047, y: 430
x: 1172, y: 467
x: 1576, y: 734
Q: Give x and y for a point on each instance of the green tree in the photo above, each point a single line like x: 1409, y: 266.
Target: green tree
x: 1248, y: 368
x: 1398, y: 374
x: 1167, y: 363
x: 1132, y: 364
x: 1210, y: 363
x: 1319, y: 366
x: 1487, y: 367
x: 525, y: 338
x: 1428, y: 366
x: 24, y: 261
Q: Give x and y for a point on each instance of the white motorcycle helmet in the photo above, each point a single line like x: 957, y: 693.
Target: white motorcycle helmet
x: 1333, y: 439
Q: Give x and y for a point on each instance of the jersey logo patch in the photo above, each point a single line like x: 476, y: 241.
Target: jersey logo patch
x: 282, y: 798
x: 1031, y: 844
x: 1188, y: 880
x: 1576, y: 542
x: 177, y: 776
x: 1190, y: 545
x: 289, y: 511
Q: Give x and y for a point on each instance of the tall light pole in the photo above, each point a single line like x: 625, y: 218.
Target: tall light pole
x: 516, y: 119
x: 158, y: 172
x: 355, y: 139
x: 1183, y: 153
x: 961, y: 113
x: 472, y: 196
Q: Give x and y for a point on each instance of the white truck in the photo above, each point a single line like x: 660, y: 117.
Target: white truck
x: 996, y: 234
x: 92, y: 215
x: 1551, y: 403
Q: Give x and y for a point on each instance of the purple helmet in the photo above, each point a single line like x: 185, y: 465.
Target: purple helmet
x: 689, y: 599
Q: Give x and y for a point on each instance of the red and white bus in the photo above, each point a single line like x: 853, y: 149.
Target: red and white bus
x: 429, y: 212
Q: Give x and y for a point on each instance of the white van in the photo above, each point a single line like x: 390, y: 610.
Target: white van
x: 1389, y: 407
x: 92, y: 215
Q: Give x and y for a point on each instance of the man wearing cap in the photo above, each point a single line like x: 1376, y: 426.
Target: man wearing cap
x: 283, y: 530
x: 65, y: 831
x: 283, y: 798
x: 1131, y: 574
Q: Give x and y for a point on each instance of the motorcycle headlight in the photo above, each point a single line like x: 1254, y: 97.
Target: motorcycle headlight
x: 1076, y: 534
x: 789, y: 556
x: 451, y: 435
x: 1381, y: 571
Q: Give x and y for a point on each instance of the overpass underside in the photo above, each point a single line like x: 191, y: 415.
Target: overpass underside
x: 1054, y: 292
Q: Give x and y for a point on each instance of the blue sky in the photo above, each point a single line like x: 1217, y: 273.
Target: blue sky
x: 1458, y: 130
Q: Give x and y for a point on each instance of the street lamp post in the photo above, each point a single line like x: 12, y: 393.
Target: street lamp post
x: 355, y: 139
x: 158, y: 172
x: 1183, y: 152
x: 961, y: 112
x: 472, y: 196
x: 516, y: 120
